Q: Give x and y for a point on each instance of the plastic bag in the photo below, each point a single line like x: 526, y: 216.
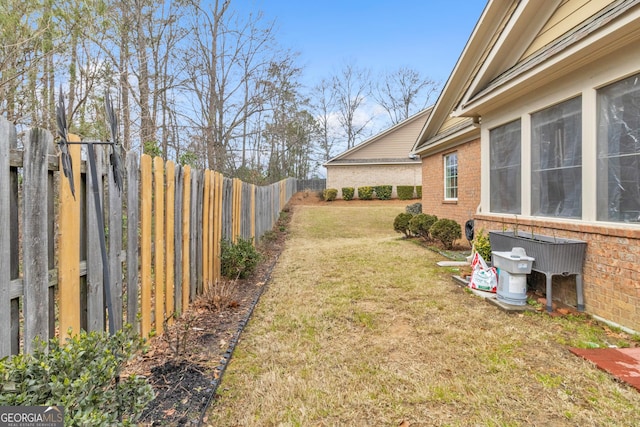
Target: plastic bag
x: 483, y: 277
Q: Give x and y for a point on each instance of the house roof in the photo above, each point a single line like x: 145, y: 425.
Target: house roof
x: 391, y: 146
x: 517, y: 47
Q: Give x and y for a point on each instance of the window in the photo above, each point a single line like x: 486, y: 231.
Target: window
x: 451, y: 176
x: 504, y: 159
x: 619, y: 151
x: 556, y: 160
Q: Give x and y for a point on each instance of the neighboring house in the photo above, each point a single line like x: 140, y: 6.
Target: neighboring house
x: 381, y: 160
x: 543, y: 111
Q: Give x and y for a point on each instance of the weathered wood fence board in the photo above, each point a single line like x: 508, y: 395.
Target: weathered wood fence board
x: 7, y: 139
x: 35, y: 237
x: 95, y: 299
x: 133, y: 215
x: 163, y: 232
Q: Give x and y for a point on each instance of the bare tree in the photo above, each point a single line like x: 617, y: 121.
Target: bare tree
x: 289, y: 129
x: 404, y: 92
x: 351, y: 87
x: 324, y: 104
x: 228, y: 64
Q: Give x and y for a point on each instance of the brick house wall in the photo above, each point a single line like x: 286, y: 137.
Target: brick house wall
x: 611, y: 273
x: 433, y: 201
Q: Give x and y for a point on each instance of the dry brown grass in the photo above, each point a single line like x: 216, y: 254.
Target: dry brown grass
x: 359, y: 327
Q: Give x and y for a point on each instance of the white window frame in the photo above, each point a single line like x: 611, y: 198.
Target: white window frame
x: 447, y: 178
x: 510, y: 129
x: 611, y: 163
x: 555, y: 162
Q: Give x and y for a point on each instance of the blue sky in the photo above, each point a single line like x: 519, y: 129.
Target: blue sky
x: 426, y: 35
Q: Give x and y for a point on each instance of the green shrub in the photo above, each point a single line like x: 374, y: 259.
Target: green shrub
x: 238, y: 260
x: 401, y: 223
x: 329, y: 194
x: 421, y: 224
x: 383, y: 192
x: 446, y: 231
x: 414, y: 209
x: 365, y: 193
x: 79, y: 375
x: 419, y: 191
x: 348, y: 192
x: 405, y: 192
x: 482, y: 245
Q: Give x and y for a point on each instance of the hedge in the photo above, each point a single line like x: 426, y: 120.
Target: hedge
x: 383, y: 192
x: 347, y: 193
x: 365, y: 193
x: 405, y: 192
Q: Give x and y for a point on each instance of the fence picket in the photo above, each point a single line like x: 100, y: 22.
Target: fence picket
x: 145, y: 244
x: 196, y: 234
x: 69, y: 248
x: 186, y: 238
x: 35, y: 237
x: 170, y: 242
x: 159, y: 243
x: 132, y: 238
x: 14, y: 237
x: 211, y: 233
x: 115, y: 247
x: 95, y: 276
x: 206, y: 208
x: 6, y: 136
x: 178, y: 211
x: 219, y: 181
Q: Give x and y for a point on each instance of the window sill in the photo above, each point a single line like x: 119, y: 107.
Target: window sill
x: 450, y: 202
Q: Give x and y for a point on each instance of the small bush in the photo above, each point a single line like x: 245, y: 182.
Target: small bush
x: 365, y: 193
x: 414, y: 209
x: 419, y: 191
x: 421, y: 224
x: 405, y: 192
x: 348, y: 192
x: 446, y: 231
x: 238, y: 260
x: 79, y: 375
x: 383, y: 192
x: 482, y: 245
x: 329, y: 194
x: 401, y: 223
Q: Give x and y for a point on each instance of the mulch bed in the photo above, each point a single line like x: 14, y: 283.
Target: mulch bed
x: 185, y: 364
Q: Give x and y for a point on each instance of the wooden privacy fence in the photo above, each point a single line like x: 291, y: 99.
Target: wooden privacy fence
x: 163, y: 234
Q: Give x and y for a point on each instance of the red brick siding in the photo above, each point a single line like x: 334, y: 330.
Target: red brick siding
x: 611, y: 274
x: 433, y: 201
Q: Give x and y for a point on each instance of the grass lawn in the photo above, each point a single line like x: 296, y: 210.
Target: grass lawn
x: 359, y: 327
